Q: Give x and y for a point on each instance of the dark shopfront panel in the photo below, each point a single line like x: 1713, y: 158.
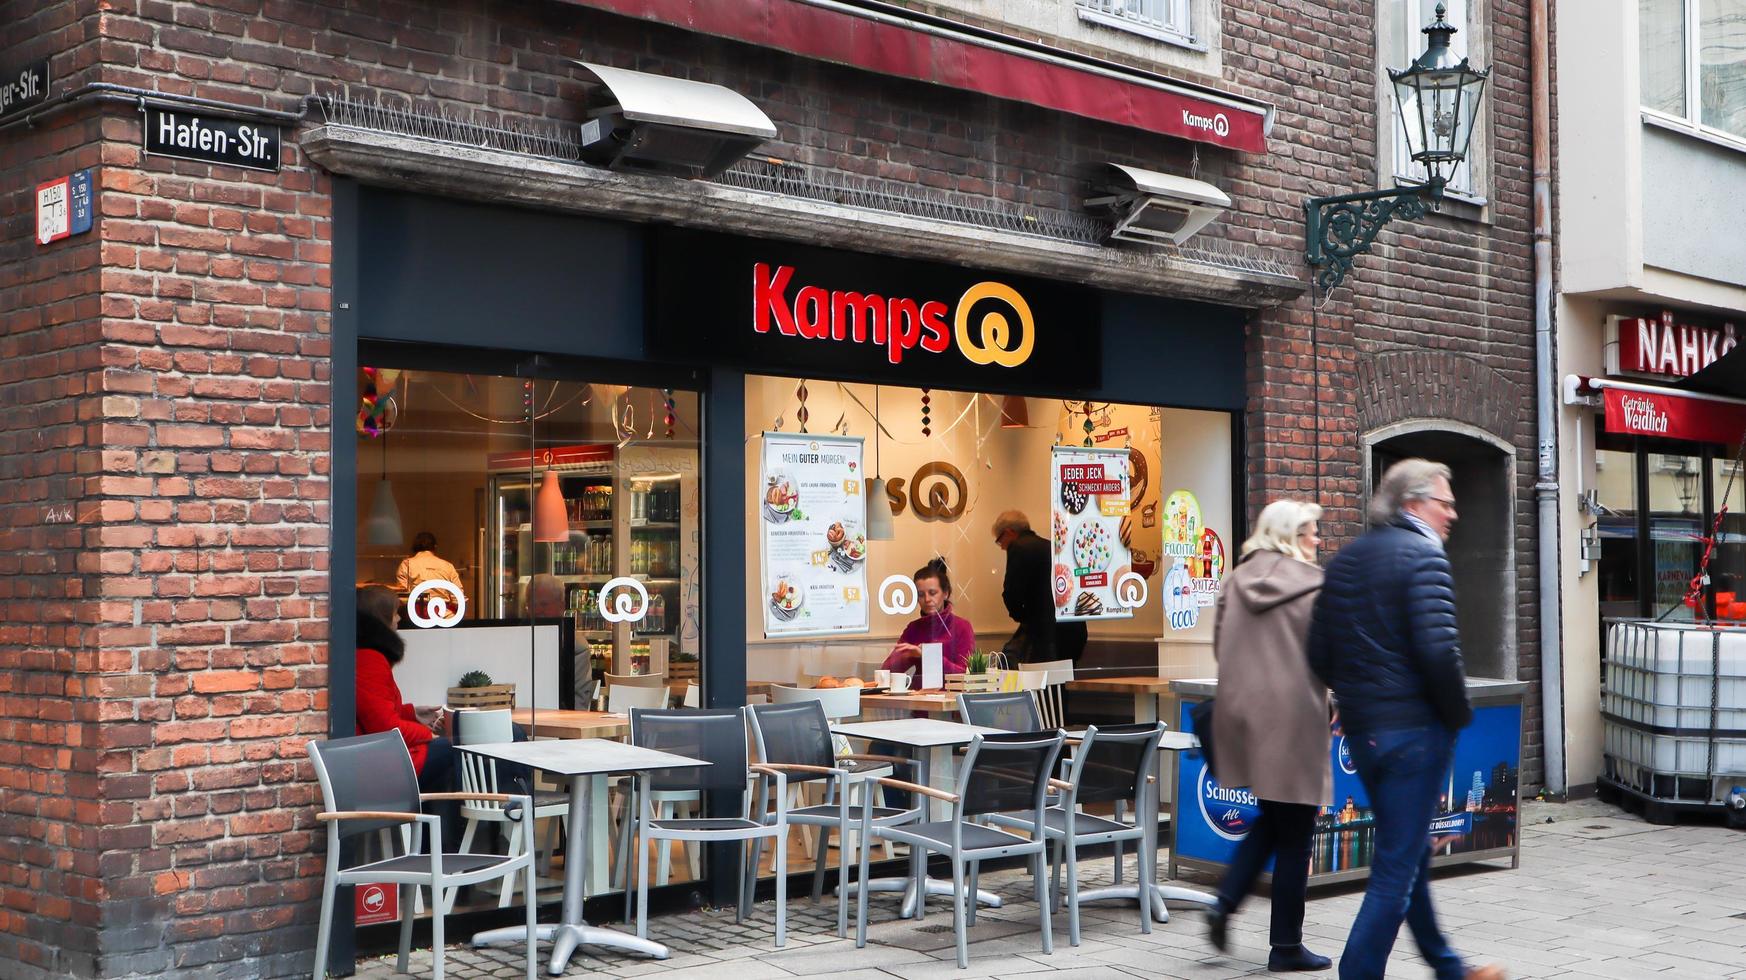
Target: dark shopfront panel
x: 439, y: 285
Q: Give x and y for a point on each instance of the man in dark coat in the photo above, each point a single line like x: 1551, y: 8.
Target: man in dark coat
x: 1030, y: 597
x: 1383, y: 637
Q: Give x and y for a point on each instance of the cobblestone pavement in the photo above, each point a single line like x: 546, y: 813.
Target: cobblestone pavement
x: 1599, y: 894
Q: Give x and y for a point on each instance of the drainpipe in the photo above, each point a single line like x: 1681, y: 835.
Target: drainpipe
x: 1546, y: 409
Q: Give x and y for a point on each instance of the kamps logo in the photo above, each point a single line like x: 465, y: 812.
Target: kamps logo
x: 1231, y: 813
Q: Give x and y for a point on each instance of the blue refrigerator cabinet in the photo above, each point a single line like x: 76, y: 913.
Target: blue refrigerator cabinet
x: 1478, y: 819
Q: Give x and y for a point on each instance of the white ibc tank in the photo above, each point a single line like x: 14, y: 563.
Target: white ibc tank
x: 1674, y: 692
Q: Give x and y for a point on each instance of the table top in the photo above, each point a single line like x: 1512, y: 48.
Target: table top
x: 1129, y: 684
x: 582, y: 756
x: 1172, y: 741
x: 938, y: 702
x: 921, y: 733
x: 558, y: 723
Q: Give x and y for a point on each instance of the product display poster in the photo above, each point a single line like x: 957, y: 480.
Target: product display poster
x: 1093, y: 575
x: 1476, y: 807
x: 814, y: 547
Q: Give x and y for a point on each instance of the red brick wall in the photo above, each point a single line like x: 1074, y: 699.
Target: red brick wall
x: 165, y: 655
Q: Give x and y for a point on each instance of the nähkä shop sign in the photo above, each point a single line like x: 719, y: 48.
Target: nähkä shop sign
x: 1664, y: 347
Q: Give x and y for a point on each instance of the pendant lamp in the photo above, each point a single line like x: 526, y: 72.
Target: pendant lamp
x: 551, y: 521
x: 1014, y: 412
x: 382, y: 529
x: 879, y: 527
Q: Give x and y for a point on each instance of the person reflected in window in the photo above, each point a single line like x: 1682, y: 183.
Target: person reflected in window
x: 936, y: 624
x: 1030, y: 596
x: 422, y: 566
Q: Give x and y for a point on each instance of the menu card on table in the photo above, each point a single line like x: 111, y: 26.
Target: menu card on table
x: 933, y: 658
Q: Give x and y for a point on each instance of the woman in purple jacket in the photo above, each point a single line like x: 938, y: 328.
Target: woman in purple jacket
x: 936, y: 624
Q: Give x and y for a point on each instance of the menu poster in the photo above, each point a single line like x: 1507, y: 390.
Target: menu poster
x: 814, y: 546
x: 1089, y: 498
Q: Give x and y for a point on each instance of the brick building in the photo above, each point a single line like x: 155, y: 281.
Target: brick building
x: 181, y: 522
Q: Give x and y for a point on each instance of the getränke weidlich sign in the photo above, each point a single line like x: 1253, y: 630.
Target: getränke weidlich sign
x: 211, y: 139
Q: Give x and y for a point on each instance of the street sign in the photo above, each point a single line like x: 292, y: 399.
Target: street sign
x: 211, y: 139
x: 21, y: 89
x: 63, y: 207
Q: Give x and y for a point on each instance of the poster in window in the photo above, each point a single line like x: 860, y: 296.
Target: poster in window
x: 811, y: 514
x: 1093, y: 574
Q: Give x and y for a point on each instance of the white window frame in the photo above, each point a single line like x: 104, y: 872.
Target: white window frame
x: 1469, y: 180
x: 1692, y: 120
x: 1176, y: 26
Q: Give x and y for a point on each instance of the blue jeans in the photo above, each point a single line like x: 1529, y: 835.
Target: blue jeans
x: 1402, y: 771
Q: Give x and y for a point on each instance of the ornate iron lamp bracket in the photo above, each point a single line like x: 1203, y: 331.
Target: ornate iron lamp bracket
x: 1343, y: 227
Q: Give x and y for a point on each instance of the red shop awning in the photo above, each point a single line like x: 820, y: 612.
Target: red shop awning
x: 941, y: 54
x: 1648, y: 410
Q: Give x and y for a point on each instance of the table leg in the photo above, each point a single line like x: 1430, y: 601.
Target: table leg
x: 572, y: 930
x: 599, y: 831
x: 1148, y: 819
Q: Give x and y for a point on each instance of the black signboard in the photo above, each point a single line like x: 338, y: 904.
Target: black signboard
x: 785, y: 308
x: 21, y: 89
x: 212, y: 139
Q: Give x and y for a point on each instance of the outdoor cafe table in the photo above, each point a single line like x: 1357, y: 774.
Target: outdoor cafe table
x: 933, y: 741
x: 575, y: 759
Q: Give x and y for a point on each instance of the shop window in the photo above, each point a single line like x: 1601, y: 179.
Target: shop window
x: 1728, y: 562
x: 832, y: 554
x: 538, y: 535
x: 1616, y: 528
x: 1693, y: 67
x: 1676, y: 529
x: 1400, y: 26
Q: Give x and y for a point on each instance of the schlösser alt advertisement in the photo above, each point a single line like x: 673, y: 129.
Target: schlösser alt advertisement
x: 810, y: 512
x: 1093, y: 574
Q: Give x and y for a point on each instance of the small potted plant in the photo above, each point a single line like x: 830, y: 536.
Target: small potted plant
x: 975, y: 679
x: 475, y: 690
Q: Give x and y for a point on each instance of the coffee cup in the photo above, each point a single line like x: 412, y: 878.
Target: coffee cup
x: 882, y: 678
x: 899, y: 681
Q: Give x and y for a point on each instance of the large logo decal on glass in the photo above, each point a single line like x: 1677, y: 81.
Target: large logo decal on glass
x: 1001, y: 341
x: 897, y: 595
x: 1231, y: 813
x: 444, y: 606
x: 1130, y: 590
x: 623, y: 600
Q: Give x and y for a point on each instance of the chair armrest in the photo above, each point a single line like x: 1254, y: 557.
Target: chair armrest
x: 795, y: 767
x: 1060, y: 784
x: 490, y: 797
x: 395, y: 815
x: 867, y: 757
x: 938, y: 794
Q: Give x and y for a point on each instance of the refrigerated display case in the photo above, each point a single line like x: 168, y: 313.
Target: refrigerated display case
x: 633, y: 513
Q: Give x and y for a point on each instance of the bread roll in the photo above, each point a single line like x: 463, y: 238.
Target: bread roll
x: 827, y: 681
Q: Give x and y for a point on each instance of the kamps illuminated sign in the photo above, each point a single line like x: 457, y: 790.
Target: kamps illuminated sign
x: 782, y: 307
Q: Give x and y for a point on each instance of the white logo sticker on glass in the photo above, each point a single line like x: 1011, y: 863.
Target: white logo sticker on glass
x: 438, y: 611
x: 627, y: 606
x: 897, y: 595
x: 1131, y: 591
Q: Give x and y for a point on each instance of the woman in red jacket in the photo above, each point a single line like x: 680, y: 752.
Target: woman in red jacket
x: 380, y: 707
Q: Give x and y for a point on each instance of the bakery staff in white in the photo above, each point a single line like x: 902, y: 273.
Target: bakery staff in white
x: 423, y: 565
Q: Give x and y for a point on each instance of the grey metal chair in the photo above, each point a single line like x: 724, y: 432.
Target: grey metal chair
x: 368, y: 785
x: 1009, y: 711
x: 795, y: 737
x: 1109, y: 765
x: 999, y: 774
x: 716, y: 736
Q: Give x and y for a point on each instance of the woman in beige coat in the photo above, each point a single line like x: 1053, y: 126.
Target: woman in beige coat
x: 1270, y: 723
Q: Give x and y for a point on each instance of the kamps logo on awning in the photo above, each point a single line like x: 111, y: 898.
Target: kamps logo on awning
x: 1231, y: 813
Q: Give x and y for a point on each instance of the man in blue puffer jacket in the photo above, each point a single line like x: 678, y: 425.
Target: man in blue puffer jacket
x: 1384, y: 638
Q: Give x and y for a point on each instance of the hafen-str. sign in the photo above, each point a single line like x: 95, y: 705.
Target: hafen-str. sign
x: 785, y: 308
x: 211, y: 139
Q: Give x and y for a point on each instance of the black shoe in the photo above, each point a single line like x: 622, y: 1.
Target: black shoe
x: 1290, y: 959
x: 1216, y: 921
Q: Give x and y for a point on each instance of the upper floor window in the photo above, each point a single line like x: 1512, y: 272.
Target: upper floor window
x: 1402, y: 25
x: 1693, y: 61
x: 1166, y: 20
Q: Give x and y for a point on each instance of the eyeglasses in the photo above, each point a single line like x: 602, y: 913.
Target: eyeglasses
x: 1448, y: 502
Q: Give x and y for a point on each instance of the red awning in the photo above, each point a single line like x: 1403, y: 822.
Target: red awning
x: 974, y: 62
x: 1645, y: 410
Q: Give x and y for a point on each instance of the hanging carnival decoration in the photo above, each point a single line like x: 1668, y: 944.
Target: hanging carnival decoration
x: 1089, y: 425
x: 376, y: 408
x: 671, y: 415
x: 801, y: 414
x: 927, y: 410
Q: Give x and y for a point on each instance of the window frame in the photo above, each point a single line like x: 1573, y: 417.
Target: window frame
x: 1691, y: 120
x: 1470, y: 183
x: 1099, y: 12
